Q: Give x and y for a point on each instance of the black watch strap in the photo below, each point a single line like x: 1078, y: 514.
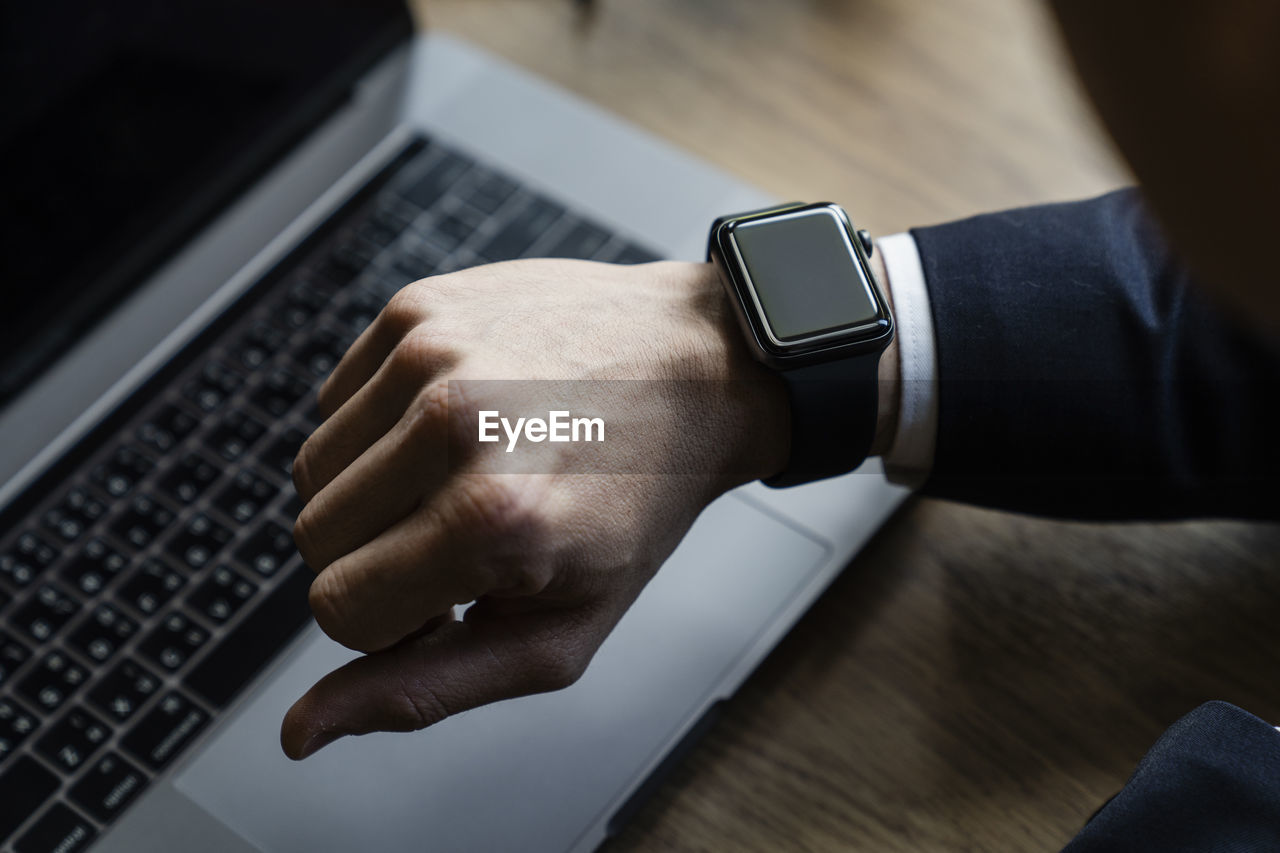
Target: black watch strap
x: 833, y: 418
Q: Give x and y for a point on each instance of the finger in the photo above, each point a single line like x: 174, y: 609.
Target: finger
x: 363, y: 358
x: 382, y: 486
x: 475, y: 538
x: 426, y: 679
x: 373, y: 411
x: 378, y: 594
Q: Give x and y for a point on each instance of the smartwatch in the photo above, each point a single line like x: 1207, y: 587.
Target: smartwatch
x: 801, y: 285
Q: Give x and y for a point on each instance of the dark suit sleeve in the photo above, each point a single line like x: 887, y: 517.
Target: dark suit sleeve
x: 1209, y: 784
x: 1082, y: 374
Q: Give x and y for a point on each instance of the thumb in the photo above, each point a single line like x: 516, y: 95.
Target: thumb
x: 429, y: 677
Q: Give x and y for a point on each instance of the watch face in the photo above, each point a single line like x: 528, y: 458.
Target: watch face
x: 807, y: 282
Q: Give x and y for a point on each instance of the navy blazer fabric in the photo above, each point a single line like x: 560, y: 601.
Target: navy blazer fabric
x: 1082, y: 374
x: 1211, y: 784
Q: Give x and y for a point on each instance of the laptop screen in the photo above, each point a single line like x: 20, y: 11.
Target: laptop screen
x: 128, y: 125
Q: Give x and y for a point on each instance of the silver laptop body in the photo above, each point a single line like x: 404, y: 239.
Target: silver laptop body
x: 551, y: 772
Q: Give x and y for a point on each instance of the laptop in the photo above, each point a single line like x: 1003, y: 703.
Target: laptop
x: 204, y: 204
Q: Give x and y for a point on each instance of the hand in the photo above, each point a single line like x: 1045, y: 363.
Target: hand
x: 407, y: 515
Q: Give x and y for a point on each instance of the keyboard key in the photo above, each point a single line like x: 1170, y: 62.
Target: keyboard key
x: 66, y: 527
x: 310, y: 293
x: 388, y: 219
x: 24, y: 786
x: 245, y: 496
x: 172, y: 643
x: 211, y: 387
x: 121, y: 472
x: 73, y: 739
x: 250, y: 645
x: 188, y: 479
x: 198, y: 542
x: 449, y: 232
x: 311, y: 417
x: 125, y: 689
x: 280, y: 390
x: 143, y: 521
x: 56, y: 678
x: 234, y: 435
x: 167, y: 426
x: 362, y: 309
x: 293, y: 505
x: 377, y: 232
x: 151, y: 587
x: 25, y: 559
x: 58, y: 830
x: 15, y: 724
x: 12, y: 655
x: 347, y: 260
x: 94, y: 567
x: 74, y: 514
x: 259, y: 346
x: 267, y: 550
x: 222, y: 594
x: 302, y: 301
x: 165, y: 730
x: 103, y: 633
x: 490, y: 192
x: 281, y: 452
x: 582, y: 241
x: 109, y: 787
x: 411, y: 267
x: 290, y: 318
x: 321, y: 352
x: 46, y: 613
x: 521, y: 233
x: 444, y: 173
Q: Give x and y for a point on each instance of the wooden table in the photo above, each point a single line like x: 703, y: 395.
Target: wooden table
x: 974, y: 680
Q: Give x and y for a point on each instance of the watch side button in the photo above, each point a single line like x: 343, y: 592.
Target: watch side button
x: 864, y: 237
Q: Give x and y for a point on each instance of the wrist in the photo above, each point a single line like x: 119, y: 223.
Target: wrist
x: 754, y: 398
x: 764, y: 441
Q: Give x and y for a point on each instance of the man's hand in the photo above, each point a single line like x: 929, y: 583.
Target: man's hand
x: 407, y: 515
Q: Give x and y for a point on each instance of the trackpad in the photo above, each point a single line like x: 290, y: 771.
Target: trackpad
x: 529, y: 774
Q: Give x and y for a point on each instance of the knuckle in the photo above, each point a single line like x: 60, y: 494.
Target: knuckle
x: 430, y: 410
x: 552, y: 667
x: 303, y: 471
x: 418, y: 352
x: 441, y: 416
x: 327, y: 397
x: 330, y: 601
x: 432, y: 402
x: 461, y: 415
x: 500, y: 507
x: 511, y: 519
x: 304, y: 536
x: 403, y: 311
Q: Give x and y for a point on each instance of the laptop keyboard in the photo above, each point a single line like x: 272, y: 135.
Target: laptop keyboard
x: 148, y: 586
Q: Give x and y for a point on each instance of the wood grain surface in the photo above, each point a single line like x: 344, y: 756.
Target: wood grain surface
x: 974, y: 680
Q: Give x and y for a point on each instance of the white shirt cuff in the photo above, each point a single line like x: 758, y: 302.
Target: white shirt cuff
x: 910, y: 457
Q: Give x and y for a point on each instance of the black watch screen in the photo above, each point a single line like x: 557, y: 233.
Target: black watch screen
x: 802, y: 281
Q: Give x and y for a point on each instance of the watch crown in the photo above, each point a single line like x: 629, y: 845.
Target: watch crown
x: 864, y: 237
